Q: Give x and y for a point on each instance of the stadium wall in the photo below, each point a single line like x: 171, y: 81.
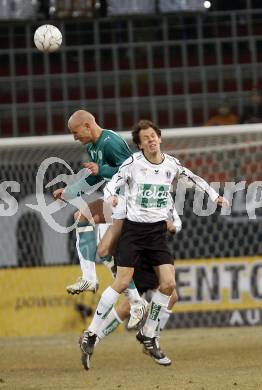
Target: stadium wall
x: 214, y: 292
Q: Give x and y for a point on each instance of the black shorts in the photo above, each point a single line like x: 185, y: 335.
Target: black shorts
x: 145, y: 277
x: 145, y: 241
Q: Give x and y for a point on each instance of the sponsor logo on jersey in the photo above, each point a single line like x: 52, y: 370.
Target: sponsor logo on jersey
x: 152, y: 195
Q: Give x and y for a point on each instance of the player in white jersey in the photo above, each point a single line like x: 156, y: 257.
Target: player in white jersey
x: 146, y: 281
x: 149, y: 175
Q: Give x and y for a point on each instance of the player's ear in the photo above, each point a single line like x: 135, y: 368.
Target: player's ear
x: 87, y: 125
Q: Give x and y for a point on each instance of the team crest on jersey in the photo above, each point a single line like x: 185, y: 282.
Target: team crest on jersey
x: 168, y: 174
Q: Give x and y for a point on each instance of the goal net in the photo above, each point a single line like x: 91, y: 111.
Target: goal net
x: 226, y: 154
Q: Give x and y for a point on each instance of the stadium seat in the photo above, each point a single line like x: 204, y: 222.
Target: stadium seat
x: 91, y: 93
x: 73, y: 93
x: 22, y: 96
x: 108, y: 91
x: 230, y: 85
x: 160, y: 89
x: 58, y: 123
x: 180, y: 118
x: 126, y: 90
x: 128, y: 120
x: 195, y: 87
x: 177, y: 88
x: 6, y: 125
x: 5, y: 97
x: 110, y: 121
x: 39, y: 95
x: 56, y: 94
x: 41, y: 124
x: 23, y: 126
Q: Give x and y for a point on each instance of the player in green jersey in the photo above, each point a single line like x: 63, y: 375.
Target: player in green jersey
x: 107, y: 151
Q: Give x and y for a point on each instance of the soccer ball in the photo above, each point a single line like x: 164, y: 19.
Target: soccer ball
x: 48, y: 38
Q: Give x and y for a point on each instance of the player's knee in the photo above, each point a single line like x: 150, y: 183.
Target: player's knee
x: 124, y: 283
x: 102, y: 250
x: 121, y: 284
x: 173, y: 299
x: 167, y: 287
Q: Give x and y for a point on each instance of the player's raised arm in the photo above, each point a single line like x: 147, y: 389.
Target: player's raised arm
x: 196, y: 181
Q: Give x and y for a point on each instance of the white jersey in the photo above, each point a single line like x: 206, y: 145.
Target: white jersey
x: 149, y: 186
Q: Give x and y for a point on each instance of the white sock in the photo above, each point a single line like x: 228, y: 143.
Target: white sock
x: 106, y: 303
x: 132, y: 296
x: 158, y: 302
x: 164, y: 315
x: 88, y: 267
x: 109, y: 325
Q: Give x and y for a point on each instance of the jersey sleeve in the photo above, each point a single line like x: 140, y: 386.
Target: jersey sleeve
x: 119, y: 179
x: 86, y: 185
x: 115, y: 153
x: 195, y: 181
x: 173, y: 215
x: 176, y: 220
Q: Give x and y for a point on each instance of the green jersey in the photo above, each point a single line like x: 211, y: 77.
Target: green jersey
x: 109, y: 152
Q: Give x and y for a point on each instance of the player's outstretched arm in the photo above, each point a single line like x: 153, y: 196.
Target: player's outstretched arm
x: 196, y: 181
x: 202, y: 185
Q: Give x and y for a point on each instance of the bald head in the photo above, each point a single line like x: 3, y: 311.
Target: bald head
x: 83, y: 126
x: 79, y: 118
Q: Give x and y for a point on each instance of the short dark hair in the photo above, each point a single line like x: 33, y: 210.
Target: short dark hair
x: 143, y: 124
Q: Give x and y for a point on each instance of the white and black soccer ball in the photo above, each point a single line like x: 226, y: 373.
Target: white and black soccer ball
x: 48, y: 38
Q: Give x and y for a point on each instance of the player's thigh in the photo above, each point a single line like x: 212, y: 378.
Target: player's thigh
x: 166, y: 274
x: 109, y: 241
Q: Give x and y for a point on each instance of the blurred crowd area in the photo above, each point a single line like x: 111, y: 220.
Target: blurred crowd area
x: 48, y: 9
x: 180, y: 69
